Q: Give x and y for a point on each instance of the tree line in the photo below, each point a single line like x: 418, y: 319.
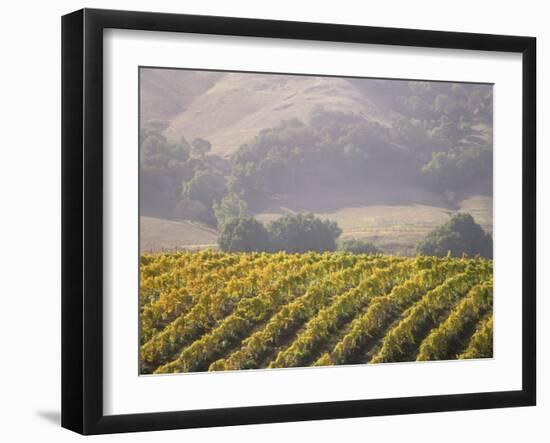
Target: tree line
x: 292, y: 233
x: 299, y: 233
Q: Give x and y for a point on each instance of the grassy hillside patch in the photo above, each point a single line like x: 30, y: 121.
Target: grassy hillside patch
x: 395, y: 221
x: 481, y: 208
x: 230, y: 115
x: 157, y: 234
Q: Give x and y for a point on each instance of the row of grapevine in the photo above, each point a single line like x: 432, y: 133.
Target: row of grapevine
x: 181, y: 296
x: 370, y: 326
x: 445, y: 340
x: 481, y: 343
x: 212, y: 307
x: 329, y: 320
x: 249, y: 313
x: 401, y: 342
x: 264, y: 343
x: 229, y: 311
x: 164, y: 271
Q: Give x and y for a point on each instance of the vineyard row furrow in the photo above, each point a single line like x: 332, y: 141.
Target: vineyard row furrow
x: 213, y: 307
x: 401, y: 343
x: 445, y: 341
x: 216, y: 311
x: 384, y: 309
x: 182, y: 297
x: 481, y: 343
x: 161, y: 272
x: 344, y: 307
x: 248, y: 313
x: 264, y: 342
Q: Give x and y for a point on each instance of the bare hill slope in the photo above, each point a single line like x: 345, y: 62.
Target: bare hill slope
x: 215, y: 106
x: 167, y: 92
x: 157, y: 234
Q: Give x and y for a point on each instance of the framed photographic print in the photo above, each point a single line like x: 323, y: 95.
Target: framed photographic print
x: 269, y: 221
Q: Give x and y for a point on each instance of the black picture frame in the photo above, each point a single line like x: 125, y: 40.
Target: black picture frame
x: 82, y: 218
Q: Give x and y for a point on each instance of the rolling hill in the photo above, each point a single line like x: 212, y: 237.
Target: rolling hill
x: 215, y: 106
x: 230, y: 109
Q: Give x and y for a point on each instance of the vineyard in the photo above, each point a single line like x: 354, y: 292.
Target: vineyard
x: 215, y: 311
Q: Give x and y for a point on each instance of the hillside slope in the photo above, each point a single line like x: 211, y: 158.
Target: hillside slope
x: 167, y: 92
x: 158, y: 234
x: 387, y: 160
x: 215, y: 106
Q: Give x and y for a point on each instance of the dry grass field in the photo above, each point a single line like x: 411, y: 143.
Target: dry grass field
x: 228, y: 115
x: 395, y: 221
x: 158, y: 235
